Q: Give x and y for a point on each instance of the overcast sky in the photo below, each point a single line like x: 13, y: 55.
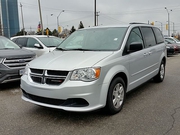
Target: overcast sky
x: 110, y: 12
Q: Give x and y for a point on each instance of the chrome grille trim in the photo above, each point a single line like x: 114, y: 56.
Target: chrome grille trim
x: 18, y: 62
x: 48, y: 76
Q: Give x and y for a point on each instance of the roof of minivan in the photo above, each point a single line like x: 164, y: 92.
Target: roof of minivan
x: 127, y: 25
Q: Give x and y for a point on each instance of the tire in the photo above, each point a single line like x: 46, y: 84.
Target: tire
x: 161, y: 74
x: 116, y: 96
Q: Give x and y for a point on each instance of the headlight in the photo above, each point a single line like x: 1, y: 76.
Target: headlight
x: 167, y: 47
x: 86, y: 74
x: 26, y: 70
x: 1, y: 60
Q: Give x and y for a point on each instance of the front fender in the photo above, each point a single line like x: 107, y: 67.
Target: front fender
x: 112, y: 72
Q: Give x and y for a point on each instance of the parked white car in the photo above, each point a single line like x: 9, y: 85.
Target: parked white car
x: 95, y: 67
x: 40, y: 44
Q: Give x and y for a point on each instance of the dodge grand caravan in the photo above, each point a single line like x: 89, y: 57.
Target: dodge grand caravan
x: 95, y: 68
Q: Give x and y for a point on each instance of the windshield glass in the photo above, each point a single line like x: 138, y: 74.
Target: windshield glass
x: 96, y: 39
x: 50, y: 41
x: 170, y: 41
x: 7, y: 44
x: 176, y: 39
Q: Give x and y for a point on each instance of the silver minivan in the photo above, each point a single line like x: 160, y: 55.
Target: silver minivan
x: 95, y: 67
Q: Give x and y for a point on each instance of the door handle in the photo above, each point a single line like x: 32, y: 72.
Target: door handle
x: 145, y: 54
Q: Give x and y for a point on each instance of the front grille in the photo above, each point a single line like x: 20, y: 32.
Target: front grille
x: 50, y: 77
x: 17, y: 62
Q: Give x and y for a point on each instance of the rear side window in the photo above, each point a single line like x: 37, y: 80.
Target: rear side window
x: 21, y: 41
x: 159, y: 36
x: 149, y: 36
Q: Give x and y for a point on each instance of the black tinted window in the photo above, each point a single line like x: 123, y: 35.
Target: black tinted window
x: 21, y: 41
x: 159, y: 36
x: 149, y: 36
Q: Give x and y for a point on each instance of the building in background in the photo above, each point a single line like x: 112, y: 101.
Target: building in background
x: 9, y: 19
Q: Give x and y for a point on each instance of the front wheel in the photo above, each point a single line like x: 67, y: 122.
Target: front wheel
x: 161, y: 74
x: 116, y: 96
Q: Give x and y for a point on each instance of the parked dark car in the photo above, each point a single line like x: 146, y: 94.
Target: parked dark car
x: 172, y: 47
x: 13, y: 60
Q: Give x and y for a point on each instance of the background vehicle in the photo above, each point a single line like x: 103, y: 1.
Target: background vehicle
x: 172, y: 39
x: 172, y: 44
x: 13, y: 60
x: 95, y: 67
x: 40, y: 44
x: 172, y: 49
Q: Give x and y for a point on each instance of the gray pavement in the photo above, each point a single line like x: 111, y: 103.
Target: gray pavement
x: 151, y: 109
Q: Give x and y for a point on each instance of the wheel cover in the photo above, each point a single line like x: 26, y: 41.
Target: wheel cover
x: 118, y: 95
x: 162, y: 71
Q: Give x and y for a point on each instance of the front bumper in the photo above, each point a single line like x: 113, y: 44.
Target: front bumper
x: 9, y: 75
x: 70, y: 96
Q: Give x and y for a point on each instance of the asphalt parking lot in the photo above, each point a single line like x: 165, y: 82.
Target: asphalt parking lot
x: 151, y: 109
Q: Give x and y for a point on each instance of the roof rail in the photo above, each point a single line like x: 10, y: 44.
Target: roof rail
x: 137, y: 23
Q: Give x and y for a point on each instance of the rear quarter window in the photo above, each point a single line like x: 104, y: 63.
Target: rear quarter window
x: 159, y: 36
x: 148, y: 36
x: 21, y: 41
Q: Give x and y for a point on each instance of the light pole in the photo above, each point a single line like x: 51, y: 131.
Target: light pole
x: 97, y: 17
x: 47, y: 19
x: 161, y: 26
x: 168, y: 21
x: 173, y: 28
x: 41, y: 17
x: 22, y: 19
x: 94, y: 12
x: 58, y: 20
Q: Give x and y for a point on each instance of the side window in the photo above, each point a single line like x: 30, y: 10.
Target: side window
x: 21, y: 41
x: 134, y: 37
x: 149, y: 36
x: 31, y: 42
x: 159, y: 36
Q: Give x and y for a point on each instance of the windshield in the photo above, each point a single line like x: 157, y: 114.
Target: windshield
x: 176, y: 39
x: 50, y: 41
x: 96, y: 39
x: 169, y: 41
x: 7, y: 44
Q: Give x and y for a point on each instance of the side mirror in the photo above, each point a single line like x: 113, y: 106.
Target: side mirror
x: 135, y: 46
x: 38, y: 46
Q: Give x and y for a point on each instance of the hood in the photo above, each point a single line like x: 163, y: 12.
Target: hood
x: 7, y: 53
x: 68, y: 60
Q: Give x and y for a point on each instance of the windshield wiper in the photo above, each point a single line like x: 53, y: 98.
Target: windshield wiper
x: 61, y: 49
x: 80, y: 49
x: 6, y: 48
x: 51, y: 46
